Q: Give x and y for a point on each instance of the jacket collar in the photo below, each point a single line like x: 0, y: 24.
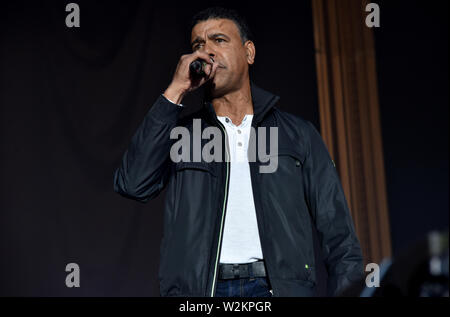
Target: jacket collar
x: 262, y: 101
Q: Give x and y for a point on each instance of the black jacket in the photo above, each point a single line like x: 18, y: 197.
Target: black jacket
x: 304, y: 190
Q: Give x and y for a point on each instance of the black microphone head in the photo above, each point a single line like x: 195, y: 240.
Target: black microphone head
x: 196, y: 68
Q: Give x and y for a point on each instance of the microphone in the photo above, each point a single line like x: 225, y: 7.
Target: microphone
x: 196, y: 68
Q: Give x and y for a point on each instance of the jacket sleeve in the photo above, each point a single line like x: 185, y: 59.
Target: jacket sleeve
x: 145, y: 165
x: 331, y: 216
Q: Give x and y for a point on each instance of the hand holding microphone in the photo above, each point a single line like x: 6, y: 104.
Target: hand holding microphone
x: 193, y: 70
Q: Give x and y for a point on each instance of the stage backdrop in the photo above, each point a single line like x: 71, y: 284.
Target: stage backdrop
x: 71, y: 99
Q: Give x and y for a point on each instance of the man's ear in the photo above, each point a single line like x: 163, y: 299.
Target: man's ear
x: 251, y: 52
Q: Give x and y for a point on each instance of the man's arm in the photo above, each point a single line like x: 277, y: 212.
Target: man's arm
x: 331, y: 216
x: 145, y: 165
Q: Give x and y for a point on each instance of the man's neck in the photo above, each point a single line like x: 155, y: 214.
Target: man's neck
x: 234, y: 105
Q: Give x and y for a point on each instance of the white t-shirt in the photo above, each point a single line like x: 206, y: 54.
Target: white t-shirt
x: 241, y: 243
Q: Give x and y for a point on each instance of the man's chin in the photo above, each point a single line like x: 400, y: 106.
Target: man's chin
x: 214, y: 88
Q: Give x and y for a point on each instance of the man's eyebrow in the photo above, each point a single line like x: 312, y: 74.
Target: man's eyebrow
x: 216, y: 35
x: 198, y: 39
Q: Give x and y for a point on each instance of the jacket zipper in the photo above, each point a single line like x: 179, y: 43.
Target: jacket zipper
x: 213, y: 289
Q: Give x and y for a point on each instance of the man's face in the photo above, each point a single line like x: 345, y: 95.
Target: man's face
x: 220, y: 38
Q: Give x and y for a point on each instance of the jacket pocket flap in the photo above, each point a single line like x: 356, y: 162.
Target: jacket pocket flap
x: 287, y: 152
x: 203, y: 166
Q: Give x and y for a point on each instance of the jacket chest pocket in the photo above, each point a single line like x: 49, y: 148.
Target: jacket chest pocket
x: 193, y: 181
x: 286, y: 162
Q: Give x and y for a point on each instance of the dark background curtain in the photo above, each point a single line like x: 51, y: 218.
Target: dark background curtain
x: 412, y: 65
x: 71, y: 99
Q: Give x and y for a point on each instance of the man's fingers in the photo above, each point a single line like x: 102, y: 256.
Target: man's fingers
x: 208, y: 59
x: 207, y: 69
x: 212, y: 73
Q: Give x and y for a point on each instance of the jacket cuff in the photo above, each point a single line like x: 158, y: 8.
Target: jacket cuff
x: 178, y: 104
x: 164, y: 110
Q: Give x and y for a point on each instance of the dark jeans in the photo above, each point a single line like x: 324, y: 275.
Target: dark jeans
x: 243, y: 287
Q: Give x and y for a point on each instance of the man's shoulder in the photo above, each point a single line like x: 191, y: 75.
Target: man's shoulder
x: 293, y: 121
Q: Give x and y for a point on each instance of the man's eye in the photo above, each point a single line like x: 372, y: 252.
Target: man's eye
x: 220, y: 40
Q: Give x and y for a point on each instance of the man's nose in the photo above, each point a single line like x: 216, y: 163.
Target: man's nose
x: 208, y: 49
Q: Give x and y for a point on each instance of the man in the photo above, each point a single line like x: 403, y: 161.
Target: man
x: 229, y: 229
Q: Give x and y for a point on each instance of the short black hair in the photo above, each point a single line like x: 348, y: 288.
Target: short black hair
x: 224, y: 13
